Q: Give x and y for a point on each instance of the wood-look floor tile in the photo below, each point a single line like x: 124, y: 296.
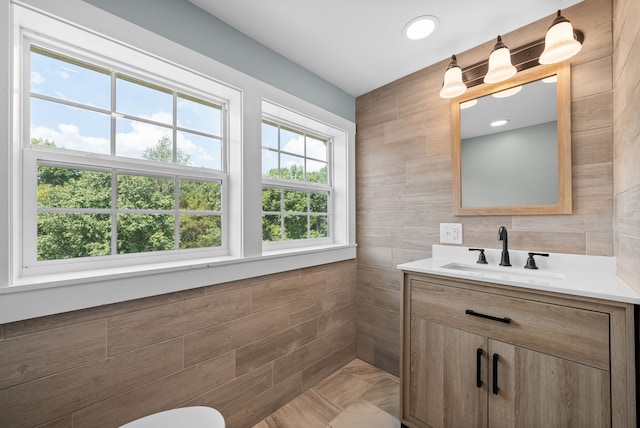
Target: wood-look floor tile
x: 310, y: 410
x: 364, y: 415
x: 375, y: 391
x: 343, y: 389
x: 364, y: 370
x: 385, y: 394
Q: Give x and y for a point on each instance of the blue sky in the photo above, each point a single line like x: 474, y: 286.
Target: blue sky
x: 86, y: 130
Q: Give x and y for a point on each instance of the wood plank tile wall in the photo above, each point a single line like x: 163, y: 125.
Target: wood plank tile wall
x: 403, y: 173
x: 626, y: 143
x: 245, y: 348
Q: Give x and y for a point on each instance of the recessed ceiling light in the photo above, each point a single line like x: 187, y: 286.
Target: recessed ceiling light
x: 499, y: 122
x: 420, y: 27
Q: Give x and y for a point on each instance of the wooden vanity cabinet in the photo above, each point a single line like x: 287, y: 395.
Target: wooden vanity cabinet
x: 482, y: 355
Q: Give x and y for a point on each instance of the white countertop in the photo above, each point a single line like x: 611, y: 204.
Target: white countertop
x: 588, y: 276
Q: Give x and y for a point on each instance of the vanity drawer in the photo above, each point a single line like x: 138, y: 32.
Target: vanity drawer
x: 576, y: 334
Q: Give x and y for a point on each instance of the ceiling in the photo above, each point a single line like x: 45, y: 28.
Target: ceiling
x: 358, y: 46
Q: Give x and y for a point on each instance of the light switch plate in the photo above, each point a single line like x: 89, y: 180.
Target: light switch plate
x: 451, y: 233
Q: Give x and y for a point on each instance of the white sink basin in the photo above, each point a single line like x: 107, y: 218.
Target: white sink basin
x: 505, y: 273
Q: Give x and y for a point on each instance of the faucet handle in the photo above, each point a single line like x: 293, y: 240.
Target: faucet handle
x: 531, y: 262
x: 481, y: 258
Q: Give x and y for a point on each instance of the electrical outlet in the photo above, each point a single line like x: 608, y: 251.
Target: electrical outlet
x: 451, y: 233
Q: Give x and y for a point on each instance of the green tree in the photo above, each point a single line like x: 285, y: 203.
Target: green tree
x: 300, y: 204
x: 71, y: 235
x: 163, y: 152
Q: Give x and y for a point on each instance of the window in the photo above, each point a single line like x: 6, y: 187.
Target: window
x: 296, y: 190
x: 131, y: 171
x: 123, y: 165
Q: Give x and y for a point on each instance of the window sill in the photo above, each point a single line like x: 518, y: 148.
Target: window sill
x: 39, y: 296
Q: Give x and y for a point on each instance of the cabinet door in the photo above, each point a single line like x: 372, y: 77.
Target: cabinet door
x: 444, y: 370
x: 539, y: 390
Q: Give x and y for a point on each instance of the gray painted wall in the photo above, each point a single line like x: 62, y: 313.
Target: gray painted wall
x: 517, y: 167
x: 188, y: 25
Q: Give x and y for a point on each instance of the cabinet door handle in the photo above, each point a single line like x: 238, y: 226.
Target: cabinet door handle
x: 489, y: 317
x: 495, y: 374
x: 479, y: 368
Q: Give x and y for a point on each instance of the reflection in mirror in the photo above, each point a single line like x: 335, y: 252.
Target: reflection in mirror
x: 511, y: 146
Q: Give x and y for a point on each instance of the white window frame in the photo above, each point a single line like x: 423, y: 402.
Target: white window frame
x: 302, y: 186
x: 247, y: 100
x: 338, y: 170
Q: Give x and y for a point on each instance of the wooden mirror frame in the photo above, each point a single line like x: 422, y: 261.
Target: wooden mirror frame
x: 564, y: 142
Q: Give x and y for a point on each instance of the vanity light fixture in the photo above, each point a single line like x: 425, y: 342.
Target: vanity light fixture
x: 500, y: 67
x: 420, y: 27
x: 453, y: 84
x: 561, y: 42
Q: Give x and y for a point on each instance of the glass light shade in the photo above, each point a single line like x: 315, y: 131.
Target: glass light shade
x: 500, y: 67
x: 453, y: 84
x: 559, y: 43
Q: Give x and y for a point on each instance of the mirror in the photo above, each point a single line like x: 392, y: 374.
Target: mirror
x: 520, y: 167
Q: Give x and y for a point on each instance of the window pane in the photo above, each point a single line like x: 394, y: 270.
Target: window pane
x: 295, y: 227
x: 141, y: 140
x: 144, y: 100
x: 271, y: 200
x: 140, y: 233
x: 295, y: 201
x: 64, y: 78
x: 316, y: 148
x: 291, y: 141
x: 292, y: 167
x: 199, y: 231
x: 198, y: 115
x: 201, y: 151
x: 317, y: 172
x: 271, y: 228
x: 319, y: 202
x: 200, y: 195
x: 70, y: 127
x: 269, y: 163
x: 73, y: 188
x: 66, y: 236
x: 139, y: 192
x: 269, y: 135
x: 319, y: 226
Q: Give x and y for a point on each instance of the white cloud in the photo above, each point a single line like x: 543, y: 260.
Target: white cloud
x: 69, y: 137
x: 295, y: 145
x: 63, y: 74
x: 316, y: 149
x: 130, y: 144
x: 37, y: 78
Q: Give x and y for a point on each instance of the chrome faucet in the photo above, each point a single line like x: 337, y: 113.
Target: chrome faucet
x: 502, y: 236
